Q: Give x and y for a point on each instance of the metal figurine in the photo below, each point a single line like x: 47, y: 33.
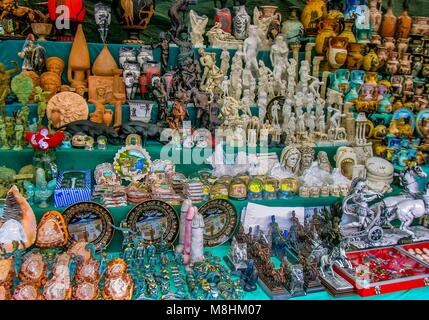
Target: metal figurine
x: 164, y: 45
x: 177, y: 14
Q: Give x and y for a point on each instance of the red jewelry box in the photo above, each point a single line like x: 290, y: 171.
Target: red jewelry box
x: 415, y: 246
x: 383, y: 270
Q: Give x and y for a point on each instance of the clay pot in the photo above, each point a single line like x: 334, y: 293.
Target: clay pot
x: 404, y: 24
x: 314, y: 11
x: 375, y: 14
x: 383, y: 56
x: 393, y: 63
x: 104, y: 64
x: 405, y: 64
x: 371, y: 78
x: 402, y: 46
x: 348, y: 32
x: 421, y: 26
x: 268, y: 11
x: 388, y: 24
x: 337, y: 52
x: 354, y: 56
x: 42, y: 30
x: 134, y: 15
x: 408, y: 85
x: 389, y: 43
x: 370, y: 61
x: 56, y: 65
x: 327, y: 29
x: 376, y: 39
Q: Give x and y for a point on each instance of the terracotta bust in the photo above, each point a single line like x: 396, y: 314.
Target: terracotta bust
x: 56, y: 65
x: 50, y: 82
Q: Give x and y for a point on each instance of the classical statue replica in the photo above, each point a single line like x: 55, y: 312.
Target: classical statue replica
x: 250, y: 49
x: 40, y: 98
x: 212, y: 76
x: 164, y: 45
x: 263, y: 25
x: 5, y: 85
x: 289, y: 165
x: 198, y: 28
x: 220, y: 39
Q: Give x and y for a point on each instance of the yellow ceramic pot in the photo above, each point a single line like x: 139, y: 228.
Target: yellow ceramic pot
x: 326, y: 30
x: 354, y: 56
x: 370, y: 61
x: 313, y: 12
x: 348, y: 32
x: 371, y: 78
x: 337, y: 52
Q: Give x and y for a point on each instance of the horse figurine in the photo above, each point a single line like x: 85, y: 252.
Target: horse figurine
x: 337, y: 255
x: 407, y: 206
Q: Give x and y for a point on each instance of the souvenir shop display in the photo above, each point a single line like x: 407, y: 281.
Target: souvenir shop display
x: 245, y: 151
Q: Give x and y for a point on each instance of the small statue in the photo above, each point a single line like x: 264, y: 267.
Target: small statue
x: 3, y: 136
x: 179, y: 112
x: 198, y: 28
x: 224, y: 61
x: 323, y: 161
x: 40, y: 97
x: 5, y: 85
x: 19, y: 135
x: 177, y: 13
x: 251, y: 48
x: 34, y: 56
x: 249, y: 277
x: 158, y: 90
x: 131, y: 77
x: 164, y: 45
x: 43, y: 190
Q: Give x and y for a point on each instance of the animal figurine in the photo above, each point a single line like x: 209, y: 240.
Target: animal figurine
x: 93, y: 130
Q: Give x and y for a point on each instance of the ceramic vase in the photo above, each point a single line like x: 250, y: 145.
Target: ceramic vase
x: 102, y: 17
x: 375, y: 14
x: 327, y: 29
x: 241, y: 23
x: 376, y: 39
x: 223, y: 16
x: 337, y: 52
x: 348, y: 31
x: 370, y: 60
x: 389, y: 43
x: 421, y: 26
x: 134, y: 16
x: 404, y: 23
x: 388, y: 23
x: 383, y: 56
x: 405, y: 64
x: 354, y: 56
x: 402, y: 46
x: 393, y: 63
x: 292, y: 28
x: 42, y: 30
x: 314, y: 11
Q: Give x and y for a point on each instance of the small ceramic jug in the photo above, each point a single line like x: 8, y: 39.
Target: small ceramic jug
x: 354, y: 56
x: 337, y: 52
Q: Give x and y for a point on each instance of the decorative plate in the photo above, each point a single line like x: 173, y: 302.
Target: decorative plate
x: 132, y: 163
x: 90, y: 222
x: 156, y: 220
x: 220, y: 218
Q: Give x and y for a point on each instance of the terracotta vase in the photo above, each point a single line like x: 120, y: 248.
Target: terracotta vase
x: 402, y: 46
x: 79, y: 65
x: 354, y: 56
x: 383, y: 56
x: 393, y: 63
x: 134, y: 16
x: 389, y: 43
x: 421, y: 26
x: 337, y: 52
x: 404, y: 23
x: 104, y: 64
x: 375, y: 14
x: 376, y: 39
x: 388, y: 24
x: 408, y: 85
x: 314, y: 11
x: 348, y: 31
x: 405, y: 64
x: 223, y: 16
x: 327, y: 29
x: 56, y: 65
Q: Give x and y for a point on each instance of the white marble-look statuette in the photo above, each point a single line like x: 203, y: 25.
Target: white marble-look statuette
x: 198, y: 28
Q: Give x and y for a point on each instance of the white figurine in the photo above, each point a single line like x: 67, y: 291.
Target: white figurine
x: 197, y: 237
x: 247, y: 100
x: 252, y: 90
x: 275, y: 113
x: 292, y: 124
x: 187, y: 203
x: 251, y: 138
x: 198, y: 28
x: 279, y: 51
x: 262, y: 104
x: 224, y: 61
x: 250, y: 49
x: 247, y: 77
x: 262, y: 23
x: 321, y: 127
x: 263, y: 137
x: 225, y: 86
x: 334, y: 120
x: 301, y: 123
x: 311, y: 122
